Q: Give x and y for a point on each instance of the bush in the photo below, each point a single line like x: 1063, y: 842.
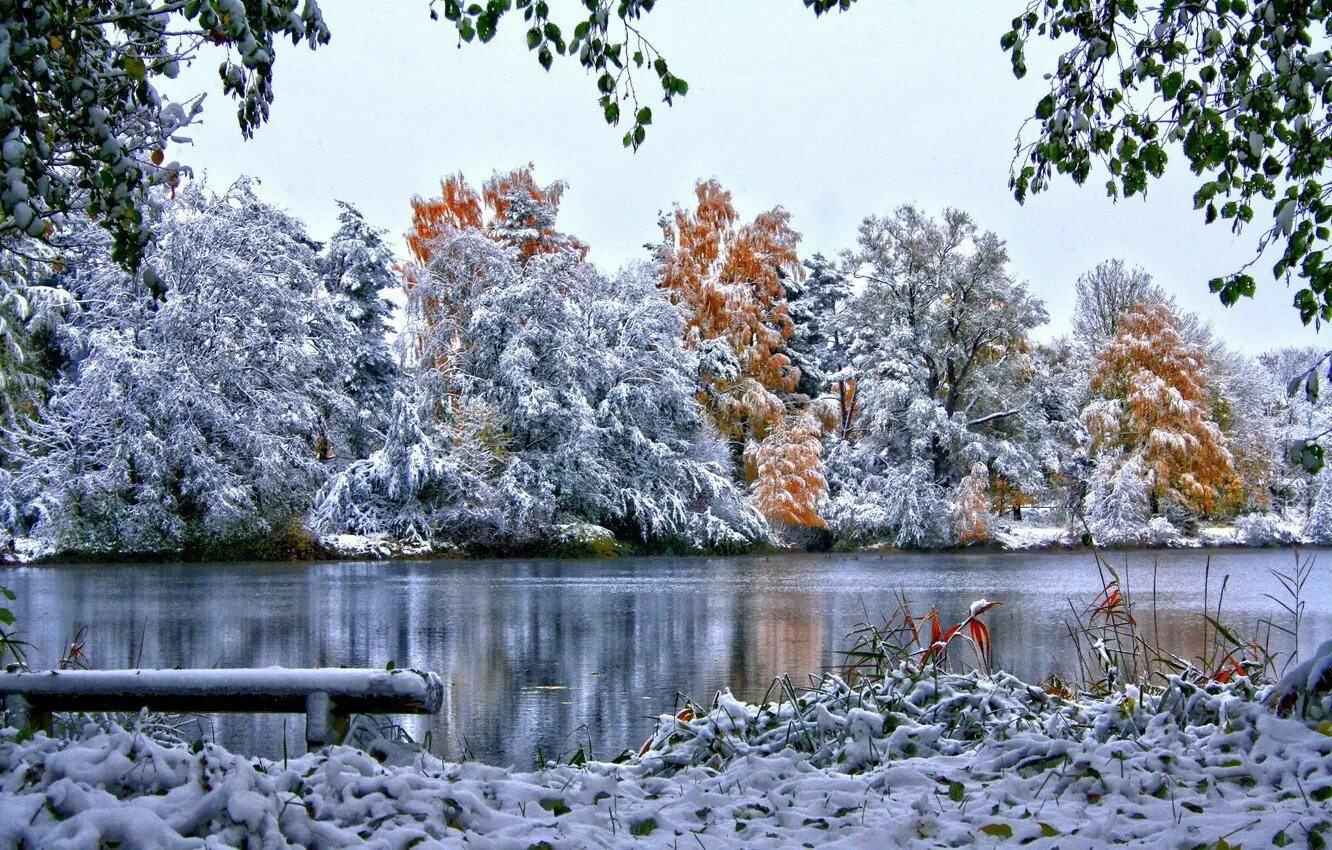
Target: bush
x: 1262, y: 529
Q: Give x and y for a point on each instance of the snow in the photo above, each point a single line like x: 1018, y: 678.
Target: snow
x: 915, y: 760
x: 425, y: 687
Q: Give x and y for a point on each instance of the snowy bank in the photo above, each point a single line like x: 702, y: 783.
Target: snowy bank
x: 917, y: 759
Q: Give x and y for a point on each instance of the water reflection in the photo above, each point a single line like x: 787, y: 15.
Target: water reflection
x: 532, y: 650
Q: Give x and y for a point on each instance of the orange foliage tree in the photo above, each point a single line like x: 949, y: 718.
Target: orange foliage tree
x: 728, y: 279
x: 512, y: 210
x: 1152, y: 402
x: 790, y: 481
x: 459, y: 207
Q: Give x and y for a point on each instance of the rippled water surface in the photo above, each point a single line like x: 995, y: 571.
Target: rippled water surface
x: 532, y: 650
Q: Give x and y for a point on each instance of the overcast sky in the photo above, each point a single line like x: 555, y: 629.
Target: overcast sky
x: 896, y: 101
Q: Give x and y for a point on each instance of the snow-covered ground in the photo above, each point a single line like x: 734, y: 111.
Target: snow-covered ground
x: 918, y: 759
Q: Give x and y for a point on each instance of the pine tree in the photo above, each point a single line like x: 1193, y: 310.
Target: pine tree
x: 1120, y: 506
x: 1318, y: 526
x: 358, y: 269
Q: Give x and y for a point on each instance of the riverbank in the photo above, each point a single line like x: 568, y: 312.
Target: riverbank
x: 587, y: 541
x: 914, y: 760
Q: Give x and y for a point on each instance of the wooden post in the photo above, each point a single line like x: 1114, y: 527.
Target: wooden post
x: 318, y: 720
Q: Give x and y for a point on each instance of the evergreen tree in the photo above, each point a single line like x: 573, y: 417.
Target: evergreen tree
x: 358, y: 269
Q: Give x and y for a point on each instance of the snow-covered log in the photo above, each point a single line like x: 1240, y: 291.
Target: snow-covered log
x: 326, y: 696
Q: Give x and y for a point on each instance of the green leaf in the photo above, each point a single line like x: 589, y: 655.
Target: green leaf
x: 644, y: 116
x: 1048, y: 831
x: 1171, y: 83
x: 956, y: 791
x: 998, y: 830
x: 643, y: 828
x: 555, y: 806
x: 134, y: 67
x: 1045, y: 109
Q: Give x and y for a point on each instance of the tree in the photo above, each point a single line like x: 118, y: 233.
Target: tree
x: 730, y: 283
x: 585, y: 381
x: 1318, y: 527
x: 1241, y: 86
x: 790, y: 486
x: 940, y: 337
x: 1120, y: 507
x: 815, y: 346
x: 1152, y: 405
x: 198, y: 390
x: 85, y: 127
x: 415, y: 487
x: 971, y: 507
x: 358, y: 268
x: 1104, y: 295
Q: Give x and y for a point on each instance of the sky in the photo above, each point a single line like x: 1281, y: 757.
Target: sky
x: 834, y: 119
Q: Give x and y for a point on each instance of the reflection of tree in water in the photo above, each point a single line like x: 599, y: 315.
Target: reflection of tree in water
x: 532, y: 650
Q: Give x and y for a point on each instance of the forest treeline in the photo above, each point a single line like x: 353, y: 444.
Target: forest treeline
x: 248, y: 390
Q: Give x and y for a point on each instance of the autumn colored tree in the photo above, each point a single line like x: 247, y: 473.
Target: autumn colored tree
x: 728, y: 278
x: 971, y: 507
x: 1152, y: 403
x: 512, y: 211
x: 459, y: 207
x: 790, y: 483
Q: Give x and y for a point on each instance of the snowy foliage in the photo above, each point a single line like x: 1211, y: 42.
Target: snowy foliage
x: 1318, y: 528
x: 1119, y: 509
x: 917, y: 759
x: 358, y: 269
x: 197, y: 391
x: 586, y: 393
x: 1263, y: 529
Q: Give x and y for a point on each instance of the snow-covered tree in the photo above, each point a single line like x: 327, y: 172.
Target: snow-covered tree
x: 942, y: 364
x: 815, y: 346
x: 198, y: 389
x: 1153, y: 405
x: 729, y: 280
x: 358, y: 269
x: 416, y: 487
x: 971, y: 506
x: 1318, y: 526
x: 1120, y: 503
x: 584, y: 394
x: 1103, y: 295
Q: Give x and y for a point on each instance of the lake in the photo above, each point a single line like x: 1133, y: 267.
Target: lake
x: 532, y: 651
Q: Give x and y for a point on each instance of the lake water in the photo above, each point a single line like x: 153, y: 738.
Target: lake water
x: 533, y: 650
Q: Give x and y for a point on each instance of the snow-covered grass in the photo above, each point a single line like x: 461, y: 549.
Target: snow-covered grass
x: 917, y: 758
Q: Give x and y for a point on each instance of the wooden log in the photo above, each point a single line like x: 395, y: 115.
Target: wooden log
x: 262, y: 690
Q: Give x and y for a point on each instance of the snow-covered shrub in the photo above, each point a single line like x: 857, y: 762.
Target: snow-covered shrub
x: 1162, y: 532
x: 1119, y: 505
x: 902, y: 508
x: 1263, y: 529
x: 414, y: 488
x: 1318, y: 525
